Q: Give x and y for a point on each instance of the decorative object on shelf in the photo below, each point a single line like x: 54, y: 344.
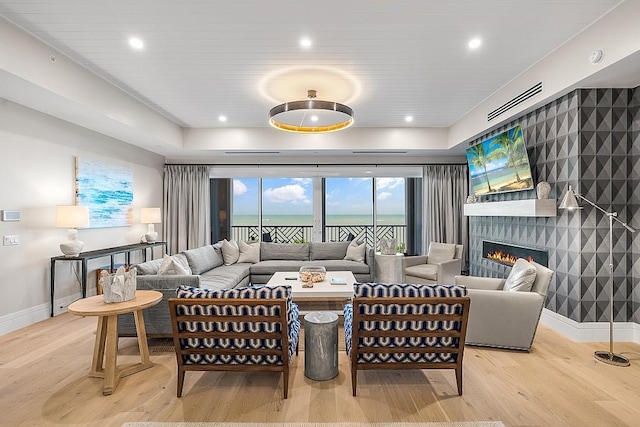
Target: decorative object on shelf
x: 150, y: 216
x: 387, y: 246
x: 543, y: 189
x: 72, y: 217
x: 471, y: 199
x: 570, y: 201
x: 120, y: 286
x: 311, y: 115
x: 310, y: 274
x: 400, y: 248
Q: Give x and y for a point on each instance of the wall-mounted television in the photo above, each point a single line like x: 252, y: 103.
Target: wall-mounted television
x: 500, y: 164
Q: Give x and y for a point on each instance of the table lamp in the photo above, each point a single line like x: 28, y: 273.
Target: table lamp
x: 72, y: 217
x: 150, y: 216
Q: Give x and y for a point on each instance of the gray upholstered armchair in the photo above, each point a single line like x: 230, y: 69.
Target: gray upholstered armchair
x: 504, y: 318
x: 440, y: 265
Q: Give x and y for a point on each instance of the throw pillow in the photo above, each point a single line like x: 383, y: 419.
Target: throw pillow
x: 230, y: 252
x: 172, y: 267
x: 522, y: 276
x: 356, y: 251
x: 249, y: 252
x: 440, y: 252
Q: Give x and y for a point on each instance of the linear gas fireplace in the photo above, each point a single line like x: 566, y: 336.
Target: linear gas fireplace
x: 507, y: 254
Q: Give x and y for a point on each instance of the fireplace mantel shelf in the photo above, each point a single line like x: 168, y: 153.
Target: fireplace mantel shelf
x: 529, y: 207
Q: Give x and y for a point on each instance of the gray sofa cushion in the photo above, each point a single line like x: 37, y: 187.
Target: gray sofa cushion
x: 203, y: 259
x: 284, y: 251
x: 273, y: 266
x: 328, y: 250
x: 225, y: 276
x: 149, y: 267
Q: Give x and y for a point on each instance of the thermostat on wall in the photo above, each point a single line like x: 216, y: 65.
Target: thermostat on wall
x: 11, y: 215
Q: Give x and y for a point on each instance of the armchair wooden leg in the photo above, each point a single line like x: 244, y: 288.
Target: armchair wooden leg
x: 180, y: 381
x: 285, y: 375
x: 459, y: 379
x: 354, y: 379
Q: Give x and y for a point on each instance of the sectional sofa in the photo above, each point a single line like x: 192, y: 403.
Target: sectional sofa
x: 216, y: 267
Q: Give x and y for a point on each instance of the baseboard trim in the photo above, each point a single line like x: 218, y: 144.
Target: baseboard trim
x: 590, y: 331
x: 14, y: 321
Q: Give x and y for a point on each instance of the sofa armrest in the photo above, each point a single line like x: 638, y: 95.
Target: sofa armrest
x: 166, y: 282
x: 410, y: 261
x: 447, y: 271
x: 370, y: 260
x: 474, y: 282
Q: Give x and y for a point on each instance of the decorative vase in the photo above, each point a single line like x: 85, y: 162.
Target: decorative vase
x: 543, y: 189
x: 388, y: 246
x: 472, y: 199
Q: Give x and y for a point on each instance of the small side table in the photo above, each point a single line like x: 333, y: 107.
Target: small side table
x: 389, y: 268
x: 105, y: 350
x: 320, y: 345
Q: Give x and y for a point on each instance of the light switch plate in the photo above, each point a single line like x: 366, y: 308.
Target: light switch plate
x: 11, y: 240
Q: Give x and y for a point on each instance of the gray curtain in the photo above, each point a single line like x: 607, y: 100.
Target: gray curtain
x: 186, y: 207
x: 445, y: 189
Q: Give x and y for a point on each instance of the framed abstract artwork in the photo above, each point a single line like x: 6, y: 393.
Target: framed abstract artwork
x: 107, y: 189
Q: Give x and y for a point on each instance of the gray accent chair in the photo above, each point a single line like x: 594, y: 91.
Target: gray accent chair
x: 504, y: 319
x: 432, y: 268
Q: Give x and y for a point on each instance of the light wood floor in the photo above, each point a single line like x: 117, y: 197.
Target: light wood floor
x: 43, y: 382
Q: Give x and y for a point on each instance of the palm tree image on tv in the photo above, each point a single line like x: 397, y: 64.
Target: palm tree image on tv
x: 500, y: 164
x: 479, y: 160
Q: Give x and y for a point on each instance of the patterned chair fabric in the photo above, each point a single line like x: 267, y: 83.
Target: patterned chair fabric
x: 236, y: 329
x: 407, y: 326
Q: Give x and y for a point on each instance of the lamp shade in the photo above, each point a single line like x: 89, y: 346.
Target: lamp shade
x: 569, y: 201
x: 150, y: 216
x: 72, y: 216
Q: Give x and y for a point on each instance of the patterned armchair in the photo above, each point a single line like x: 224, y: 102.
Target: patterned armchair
x: 248, y: 329
x: 406, y: 326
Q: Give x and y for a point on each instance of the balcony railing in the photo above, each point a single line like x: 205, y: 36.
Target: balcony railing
x: 304, y: 233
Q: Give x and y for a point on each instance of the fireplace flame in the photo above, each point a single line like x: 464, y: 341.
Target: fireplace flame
x: 505, y: 257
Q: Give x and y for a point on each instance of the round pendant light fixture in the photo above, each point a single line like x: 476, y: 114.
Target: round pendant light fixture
x: 311, y: 115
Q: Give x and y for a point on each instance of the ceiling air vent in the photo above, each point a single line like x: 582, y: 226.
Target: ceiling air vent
x: 529, y: 93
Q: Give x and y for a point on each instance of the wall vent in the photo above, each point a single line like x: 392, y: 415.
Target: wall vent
x: 251, y: 152
x: 527, y: 94
x: 379, y: 152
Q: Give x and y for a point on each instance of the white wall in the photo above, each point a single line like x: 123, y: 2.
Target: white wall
x: 37, y: 161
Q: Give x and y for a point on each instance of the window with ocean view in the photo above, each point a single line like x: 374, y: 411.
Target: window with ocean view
x: 390, y: 210
x: 349, y: 208
x: 301, y: 209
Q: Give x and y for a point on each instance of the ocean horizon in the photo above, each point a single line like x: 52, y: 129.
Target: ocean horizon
x: 307, y: 220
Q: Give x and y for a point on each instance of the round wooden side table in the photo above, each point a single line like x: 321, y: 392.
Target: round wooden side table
x: 105, y: 350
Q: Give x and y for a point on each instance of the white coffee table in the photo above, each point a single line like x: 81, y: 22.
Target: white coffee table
x: 322, y: 292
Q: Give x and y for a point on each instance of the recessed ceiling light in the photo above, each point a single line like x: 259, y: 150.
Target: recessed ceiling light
x: 222, y: 118
x: 408, y: 119
x: 314, y: 118
x: 136, y: 43
x: 475, y: 43
x: 305, y: 42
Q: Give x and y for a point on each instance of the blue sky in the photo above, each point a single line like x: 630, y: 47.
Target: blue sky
x: 294, y: 196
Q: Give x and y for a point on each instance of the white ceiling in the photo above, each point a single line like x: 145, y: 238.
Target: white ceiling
x: 387, y: 59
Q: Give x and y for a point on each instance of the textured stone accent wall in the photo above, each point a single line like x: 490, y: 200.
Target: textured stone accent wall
x: 634, y: 206
x: 585, y: 139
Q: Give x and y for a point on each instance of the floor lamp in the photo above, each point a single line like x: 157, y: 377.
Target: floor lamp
x: 570, y: 201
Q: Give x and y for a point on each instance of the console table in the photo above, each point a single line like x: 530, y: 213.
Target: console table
x: 83, y: 257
